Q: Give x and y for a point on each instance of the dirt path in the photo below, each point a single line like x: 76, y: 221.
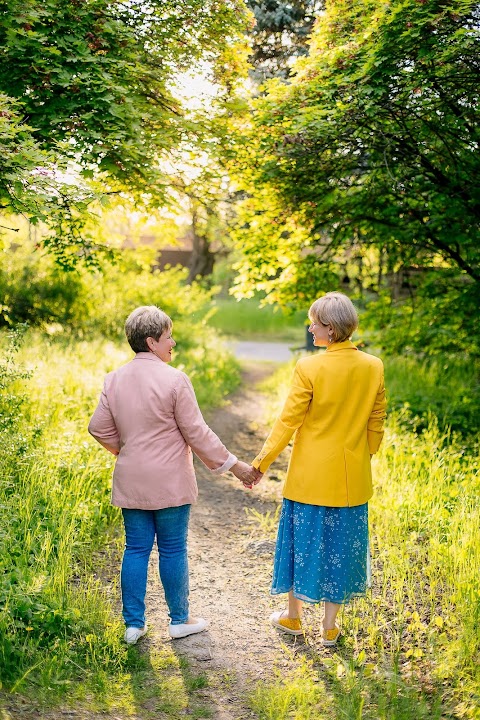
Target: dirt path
x: 230, y: 566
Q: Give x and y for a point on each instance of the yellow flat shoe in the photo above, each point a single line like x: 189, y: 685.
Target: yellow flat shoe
x: 330, y: 637
x: 292, y: 626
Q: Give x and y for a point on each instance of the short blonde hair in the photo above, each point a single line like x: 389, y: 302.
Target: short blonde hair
x: 146, y: 321
x: 338, y: 311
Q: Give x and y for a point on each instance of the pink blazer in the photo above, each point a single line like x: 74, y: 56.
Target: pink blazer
x: 148, y: 412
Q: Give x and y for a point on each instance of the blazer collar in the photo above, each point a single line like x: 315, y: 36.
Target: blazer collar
x: 345, y: 345
x: 147, y: 356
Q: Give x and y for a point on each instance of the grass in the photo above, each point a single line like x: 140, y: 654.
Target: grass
x: 412, y: 649
x: 247, y: 320
x: 60, y: 628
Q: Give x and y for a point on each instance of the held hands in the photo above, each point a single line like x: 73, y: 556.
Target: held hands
x: 248, y: 475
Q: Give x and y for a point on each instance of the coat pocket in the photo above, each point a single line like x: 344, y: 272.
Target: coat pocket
x: 359, y: 473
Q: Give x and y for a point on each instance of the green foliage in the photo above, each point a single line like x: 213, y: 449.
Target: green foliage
x: 37, y: 292
x: 376, y: 136
x: 373, y: 144
x: 31, y: 184
x: 448, y: 389
x: 438, y: 317
x: 96, y: 75
x: 84, y: 305
x: 13, y: 438
x: 19, y: 151
x: 94, y: 81
x: 278, y: 257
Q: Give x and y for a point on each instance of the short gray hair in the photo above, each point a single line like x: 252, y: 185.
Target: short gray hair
x: 146, y: 321
x: 337, y: 310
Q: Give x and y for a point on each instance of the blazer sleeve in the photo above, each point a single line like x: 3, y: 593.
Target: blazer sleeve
x: 289, y: 420
x: 102, y: 425
x: 197, y: 434
x: 377, y: 418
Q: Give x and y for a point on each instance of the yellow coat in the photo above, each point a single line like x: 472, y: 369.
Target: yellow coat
x: 336, y: 405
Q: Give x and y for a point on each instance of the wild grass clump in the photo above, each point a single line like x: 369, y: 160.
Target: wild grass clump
x: 60, y: 626
x: 301, y: 695
x: 423, y: 617
x: 412, y: 648
x: 54, y: 492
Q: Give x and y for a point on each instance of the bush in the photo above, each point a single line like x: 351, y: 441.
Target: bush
x: 447, y: 388
x: 88, y: 302
x: 439, y: 316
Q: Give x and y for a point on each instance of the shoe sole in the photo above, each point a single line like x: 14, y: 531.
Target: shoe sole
x: 186, y: 633
x: 331, y: 643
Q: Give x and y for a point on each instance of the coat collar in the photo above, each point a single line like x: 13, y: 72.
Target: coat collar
x: 147, y: 356
x: 345, y: 345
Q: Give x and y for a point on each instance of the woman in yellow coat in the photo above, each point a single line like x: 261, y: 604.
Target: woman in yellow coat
x: 336, y: 408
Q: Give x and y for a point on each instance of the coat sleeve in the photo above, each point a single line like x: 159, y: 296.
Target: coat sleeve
x: 377, y: 418
x: 289, y: 420
x: 102, y: 425
x: 205, y: 444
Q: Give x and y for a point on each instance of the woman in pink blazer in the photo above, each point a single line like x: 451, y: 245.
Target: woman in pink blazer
x: 148, y: 416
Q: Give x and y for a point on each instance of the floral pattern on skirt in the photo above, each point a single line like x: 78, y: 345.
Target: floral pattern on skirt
x: 322, y: 553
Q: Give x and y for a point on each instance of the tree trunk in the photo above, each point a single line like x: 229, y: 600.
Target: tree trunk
x: 202, y: 259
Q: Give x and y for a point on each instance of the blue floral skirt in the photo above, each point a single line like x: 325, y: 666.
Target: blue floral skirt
x: 322, y: 553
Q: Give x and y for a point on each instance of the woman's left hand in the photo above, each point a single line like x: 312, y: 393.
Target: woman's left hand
x: 247, y: 474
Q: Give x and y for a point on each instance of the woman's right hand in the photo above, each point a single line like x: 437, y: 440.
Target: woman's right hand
x: 247, y: 474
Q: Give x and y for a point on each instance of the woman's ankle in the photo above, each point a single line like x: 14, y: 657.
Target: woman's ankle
x: 291, y: 614
x: 329, y: 625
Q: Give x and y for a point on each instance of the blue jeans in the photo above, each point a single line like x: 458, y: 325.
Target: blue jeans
x: 170, y: 525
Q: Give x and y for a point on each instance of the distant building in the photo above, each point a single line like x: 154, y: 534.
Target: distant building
x: 178, y: 254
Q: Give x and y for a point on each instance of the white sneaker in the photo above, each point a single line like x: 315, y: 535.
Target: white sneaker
x: 133, y: 634
x: 185, y: 629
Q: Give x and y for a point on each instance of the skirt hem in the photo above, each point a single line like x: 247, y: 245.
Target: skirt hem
x: 304, y: 598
